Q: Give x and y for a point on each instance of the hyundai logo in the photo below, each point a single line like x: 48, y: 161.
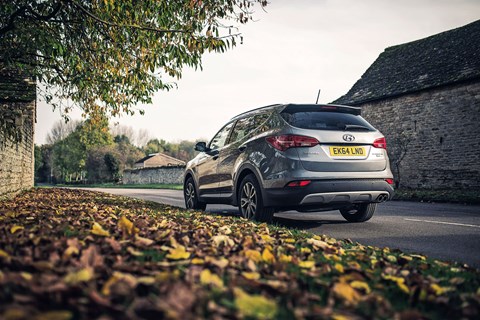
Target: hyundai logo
x: 348, y: 137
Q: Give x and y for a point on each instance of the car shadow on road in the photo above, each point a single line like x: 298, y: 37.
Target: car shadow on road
x: 304, y: 224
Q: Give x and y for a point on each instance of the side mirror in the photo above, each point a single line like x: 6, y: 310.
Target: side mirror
x: 201, y: 146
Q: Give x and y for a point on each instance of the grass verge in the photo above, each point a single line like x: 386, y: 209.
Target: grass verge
x: 125, y: 186
x: 76, y: 254
x: 425, y: 195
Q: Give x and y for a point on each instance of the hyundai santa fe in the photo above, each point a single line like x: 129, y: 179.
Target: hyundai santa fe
x: 292, y: 157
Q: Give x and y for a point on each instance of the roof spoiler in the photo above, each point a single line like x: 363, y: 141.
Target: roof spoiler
x: 292, y: 108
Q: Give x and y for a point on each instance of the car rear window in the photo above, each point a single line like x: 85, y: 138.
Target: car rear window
x: 326, y: 120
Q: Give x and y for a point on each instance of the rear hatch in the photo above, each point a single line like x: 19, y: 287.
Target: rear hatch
x: 346, y: 141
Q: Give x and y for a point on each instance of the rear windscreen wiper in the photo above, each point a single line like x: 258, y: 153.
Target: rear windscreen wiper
x: 355, y: 127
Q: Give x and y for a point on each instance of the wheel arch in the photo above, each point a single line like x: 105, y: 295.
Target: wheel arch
x: 242, y: 173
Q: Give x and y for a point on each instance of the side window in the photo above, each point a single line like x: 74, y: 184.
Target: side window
x: 247, y: 125
x: 221, y: 137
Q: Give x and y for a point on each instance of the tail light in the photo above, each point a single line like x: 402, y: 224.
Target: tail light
x: 285, y: 142
x: 380, y: 143
x: 389, y: 181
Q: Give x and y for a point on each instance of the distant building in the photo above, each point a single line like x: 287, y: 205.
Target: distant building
x: 425, y: 97
x: 158, y: 160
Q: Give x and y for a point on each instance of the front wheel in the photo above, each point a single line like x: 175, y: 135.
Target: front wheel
x: 191, y: 198
x: 359, y: 212
x: 250, y: 201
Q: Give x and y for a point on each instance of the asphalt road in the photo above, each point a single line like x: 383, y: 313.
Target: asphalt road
x: 441, y: 231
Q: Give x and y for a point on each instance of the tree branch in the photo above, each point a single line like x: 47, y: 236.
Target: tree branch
x: 11, y: 21
x: 133, y: 26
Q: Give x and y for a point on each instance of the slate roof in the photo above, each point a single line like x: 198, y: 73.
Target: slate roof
x: 165, y: 158
x: 445, y: 58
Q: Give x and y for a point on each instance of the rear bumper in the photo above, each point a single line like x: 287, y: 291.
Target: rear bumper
x: 329, y: 193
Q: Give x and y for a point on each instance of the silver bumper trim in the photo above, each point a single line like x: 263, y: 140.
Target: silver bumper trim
x: 348, y: 197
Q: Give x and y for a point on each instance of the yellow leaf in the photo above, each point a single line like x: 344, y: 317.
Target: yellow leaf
x: 224, y: 230
x: 127, y: 226
x: 99, y: 231
x: 253, y: 255
x: 306, y: 264
x: 360, y: 285
x: 339, y: 268
x: 290, y: 240
x: 305, y: 250
x: 15, y: 229
x: 178, y: 253
x: 55, y: 315
x: 83, y: 275
x: 198, y: 261
x: 208, y: 278
x: 267, y: 256
x: 267, y: 238
x: 440, y: 290
x: 27, y: 276
x: 3, y: 254
x: 399, y: 281
x: 71, y: 251
x: 285, y: 258
x: 255, y: 306
x: 251, y: 275
x: 346, y: 293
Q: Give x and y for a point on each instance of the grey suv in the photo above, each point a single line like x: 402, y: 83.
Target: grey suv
x: 292, y: 157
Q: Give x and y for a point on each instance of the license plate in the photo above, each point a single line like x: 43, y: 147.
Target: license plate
x: 348, y: 151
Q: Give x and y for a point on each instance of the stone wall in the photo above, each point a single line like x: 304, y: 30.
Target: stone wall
x: 433, y: 136
x: 16, y: 159
x: 163, y: 175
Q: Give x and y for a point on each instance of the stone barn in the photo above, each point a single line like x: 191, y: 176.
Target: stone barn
x: 424, y: 96
x: 17, y: 117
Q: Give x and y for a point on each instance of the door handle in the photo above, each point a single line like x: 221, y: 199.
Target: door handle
x: 241, y: 148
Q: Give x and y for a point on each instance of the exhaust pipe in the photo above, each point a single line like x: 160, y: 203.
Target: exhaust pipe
x: 382, y: 198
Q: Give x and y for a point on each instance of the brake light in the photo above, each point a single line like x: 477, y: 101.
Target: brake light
x: 285, y: 142
x: 389, y: 181
x: 301, y: 183
x: 380, y: 143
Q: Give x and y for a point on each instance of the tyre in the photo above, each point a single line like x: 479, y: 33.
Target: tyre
x: 250, y: 201
x: 359, y: 212
x: 191, y: 198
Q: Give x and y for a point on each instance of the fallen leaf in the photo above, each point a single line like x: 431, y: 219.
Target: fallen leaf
x: 255, y: 306
x: 360, y: 285
x: 308, y: 264
x: 345, y: 292
x: 267, y: 256
x: 99, y: 231
x: 209, y: 278
x: 83, y: 275
x: 178, y: 253
x: 253, y: 255
x: 127, y: 227
x: 15, y: 229
x: 251, y: 275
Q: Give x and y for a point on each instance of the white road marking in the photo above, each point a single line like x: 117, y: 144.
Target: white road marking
x: 442, y: 222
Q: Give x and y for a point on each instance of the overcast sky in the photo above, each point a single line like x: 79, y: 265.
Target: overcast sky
x: 291, y: 51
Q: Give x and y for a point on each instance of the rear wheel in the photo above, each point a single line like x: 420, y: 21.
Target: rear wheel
x: 191, y: 198
x: 250, y: 201
x: 359, y: 212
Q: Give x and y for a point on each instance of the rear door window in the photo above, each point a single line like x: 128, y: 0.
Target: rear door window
x: 248, y: 125
x: 325, y: 120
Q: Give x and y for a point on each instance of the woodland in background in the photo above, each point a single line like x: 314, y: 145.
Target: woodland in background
x: 94, y: 152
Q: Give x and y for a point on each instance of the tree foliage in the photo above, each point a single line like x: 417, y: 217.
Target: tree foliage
x: 106, y: 56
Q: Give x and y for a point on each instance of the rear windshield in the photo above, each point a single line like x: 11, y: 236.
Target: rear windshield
x: 324, y: 120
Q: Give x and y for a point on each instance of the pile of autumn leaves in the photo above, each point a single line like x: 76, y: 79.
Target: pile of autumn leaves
x: 71, y: 254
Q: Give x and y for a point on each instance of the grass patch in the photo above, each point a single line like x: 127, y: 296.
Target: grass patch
x: 123, y: 186
x: 453, y: 196
x: 69, y: 253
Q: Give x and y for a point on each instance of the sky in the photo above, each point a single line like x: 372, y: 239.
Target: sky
x: 289, y: 52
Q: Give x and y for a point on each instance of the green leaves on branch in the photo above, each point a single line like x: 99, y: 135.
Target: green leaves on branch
x: 106, y: 56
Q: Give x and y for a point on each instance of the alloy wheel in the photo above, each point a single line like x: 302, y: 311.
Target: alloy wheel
x: 248, y: 200
x: 190, y: 196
